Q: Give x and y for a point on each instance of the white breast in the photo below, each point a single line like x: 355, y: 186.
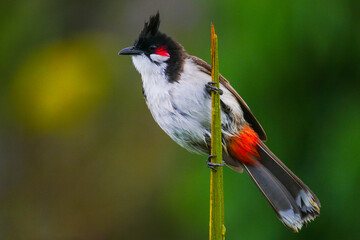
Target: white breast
x: 182, y: 109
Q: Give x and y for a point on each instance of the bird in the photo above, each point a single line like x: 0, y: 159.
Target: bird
x: 177, y: 89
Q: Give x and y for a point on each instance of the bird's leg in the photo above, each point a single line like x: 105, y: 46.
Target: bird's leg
x: 210, y: 88
x: 213, y: 165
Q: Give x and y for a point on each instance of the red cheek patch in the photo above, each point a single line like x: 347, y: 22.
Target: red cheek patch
x: 162, y: 51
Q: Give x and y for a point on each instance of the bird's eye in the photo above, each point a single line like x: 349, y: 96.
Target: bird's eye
x: 152, y: 47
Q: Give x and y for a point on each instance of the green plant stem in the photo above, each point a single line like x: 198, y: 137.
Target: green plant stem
x: 217, y: 227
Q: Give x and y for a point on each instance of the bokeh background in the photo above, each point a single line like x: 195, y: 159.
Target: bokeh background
x: 82, y: 158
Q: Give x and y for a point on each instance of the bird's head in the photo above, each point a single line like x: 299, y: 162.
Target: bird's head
x: 154, y: 51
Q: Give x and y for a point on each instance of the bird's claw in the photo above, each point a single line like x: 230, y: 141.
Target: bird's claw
x: 210, y: 88
x: 212, y: 165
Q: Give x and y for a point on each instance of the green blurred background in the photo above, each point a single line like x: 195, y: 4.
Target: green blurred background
x: 82, y: 158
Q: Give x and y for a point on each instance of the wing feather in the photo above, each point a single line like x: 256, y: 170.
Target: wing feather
x: 248, y: 115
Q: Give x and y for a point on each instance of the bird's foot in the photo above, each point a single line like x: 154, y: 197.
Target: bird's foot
x: 212, y: 165
x: 210, y: 88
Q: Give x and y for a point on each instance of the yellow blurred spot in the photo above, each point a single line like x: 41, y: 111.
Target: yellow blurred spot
x: 58, y: 85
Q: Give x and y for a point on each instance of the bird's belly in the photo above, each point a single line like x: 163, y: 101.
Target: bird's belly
x: 186, y: 122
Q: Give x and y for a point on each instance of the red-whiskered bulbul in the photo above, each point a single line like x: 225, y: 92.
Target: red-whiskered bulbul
x: 177, y: 89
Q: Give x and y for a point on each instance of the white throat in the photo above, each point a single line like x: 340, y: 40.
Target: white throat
x: 153, y: 76
x: 147, y: 67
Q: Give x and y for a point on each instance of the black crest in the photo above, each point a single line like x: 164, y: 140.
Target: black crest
x: 150, y: 31
x: 151, y: 27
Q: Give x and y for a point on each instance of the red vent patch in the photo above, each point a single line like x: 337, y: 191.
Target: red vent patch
x: 243, y: 147
x: 162, y: 50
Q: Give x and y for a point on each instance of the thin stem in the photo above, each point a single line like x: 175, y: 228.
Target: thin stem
x: 217, y: 227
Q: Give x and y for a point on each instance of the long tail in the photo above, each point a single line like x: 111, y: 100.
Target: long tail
x: 293, y: 202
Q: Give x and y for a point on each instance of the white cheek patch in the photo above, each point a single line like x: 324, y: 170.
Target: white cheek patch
x: 158, y: 58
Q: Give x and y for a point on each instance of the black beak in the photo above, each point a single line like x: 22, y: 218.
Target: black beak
x: 130, y: 51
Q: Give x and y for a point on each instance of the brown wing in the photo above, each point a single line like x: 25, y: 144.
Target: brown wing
x: 248, y: 115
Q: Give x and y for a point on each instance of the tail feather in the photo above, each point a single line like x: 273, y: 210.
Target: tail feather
x: 293, y: 202
x: 305, y: 198
x: 277, y: 195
